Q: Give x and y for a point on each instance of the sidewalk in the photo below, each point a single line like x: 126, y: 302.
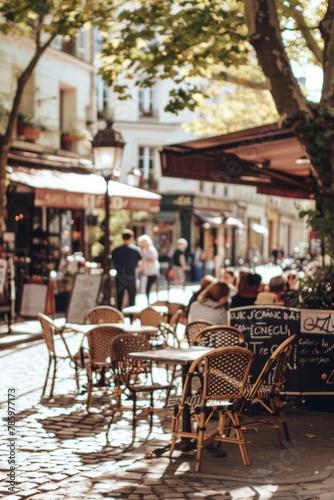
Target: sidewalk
x: 61, y: 450
x: 29, y: 330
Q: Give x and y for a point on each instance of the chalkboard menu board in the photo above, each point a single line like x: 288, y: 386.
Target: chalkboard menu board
x: 311, y: 368
x: 84, y: 296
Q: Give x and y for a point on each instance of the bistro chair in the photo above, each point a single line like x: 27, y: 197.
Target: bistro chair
x: 223, y: 373
x: 266, y: 392
x: 173, y: 307
x: 219, y: 336
x: 151, y: 317
x: 57, y: 353
x: 194, y: 327
x: 103, y: 314
x: 169, y: 329
x: 170, y: 334
x: 134, y: 377
x: 96, y: 355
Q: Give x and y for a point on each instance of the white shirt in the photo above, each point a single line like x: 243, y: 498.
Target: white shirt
x: 209, y: 310
x: 151, y: 268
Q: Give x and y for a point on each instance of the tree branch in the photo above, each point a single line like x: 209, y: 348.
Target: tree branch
x: 310, y: 41
x: 226, y: 77
x: 327, y: 31
x: 265, y: 35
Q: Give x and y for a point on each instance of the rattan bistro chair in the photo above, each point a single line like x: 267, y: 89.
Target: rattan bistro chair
x: 98, y: 360
x: 103, y: 314
x: 151, y: 317
x: 134, y: 377
x: 266, y: 392
x: 169, y: 329
x: 194, y: 327
x: 219, y: 336
x: 224, y: 372
x: 57, y: 353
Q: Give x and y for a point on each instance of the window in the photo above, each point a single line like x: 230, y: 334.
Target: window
x: 82, y: 44
x: 146, y: 160
x: 146, y: 98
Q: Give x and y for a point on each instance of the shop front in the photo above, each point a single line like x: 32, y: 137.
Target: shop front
x: 51, y: 213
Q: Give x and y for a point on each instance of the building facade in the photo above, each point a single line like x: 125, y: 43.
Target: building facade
x: 64, y: 104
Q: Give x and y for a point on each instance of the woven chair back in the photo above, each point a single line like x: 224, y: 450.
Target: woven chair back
x: 150, y: 317
x: 194, y: 327
x: 122, y: 345
x: 219, y: 336
x: 224, y: 373
x: 100, y: 341
x: 103, y: 314
x: 48, y: 331
x: 274, y: 369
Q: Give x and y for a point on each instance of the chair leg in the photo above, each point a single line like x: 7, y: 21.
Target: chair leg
x: 200, y: 440
x: 175, y: 427
x: 76, y: 376
x: 134, y: 420
x: 239, y: 437
x: 53, y: 376
x: 151, y: 412
x: 277, y: 410
x: 47, y: 375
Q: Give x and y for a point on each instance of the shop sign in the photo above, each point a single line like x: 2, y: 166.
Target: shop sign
x: 183, y: 201
x: 63, y: 199
x: 209, y: 204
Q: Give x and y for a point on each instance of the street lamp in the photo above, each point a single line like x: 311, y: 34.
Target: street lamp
x: 108, y: 145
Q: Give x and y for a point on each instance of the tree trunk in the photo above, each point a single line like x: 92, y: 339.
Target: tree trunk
x: 4, y: 151
x: 6, y: 139
x: 313, y: 125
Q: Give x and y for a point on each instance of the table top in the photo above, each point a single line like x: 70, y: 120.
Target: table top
x: 138, y: 309
x: 126, y: 328
x: 172, y: 355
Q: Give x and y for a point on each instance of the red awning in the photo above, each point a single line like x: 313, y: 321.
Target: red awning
x: 83, y: 191
x: 268, y: 157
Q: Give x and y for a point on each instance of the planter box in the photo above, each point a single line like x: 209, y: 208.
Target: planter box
x: 28, y: 132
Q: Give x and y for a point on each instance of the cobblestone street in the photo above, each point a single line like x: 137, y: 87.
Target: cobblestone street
x: 61, y: 450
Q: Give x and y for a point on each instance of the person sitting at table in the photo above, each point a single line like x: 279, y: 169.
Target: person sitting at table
x: 212, y: 304
x: 229, y: 277
x: 248, y: 288
x: 206, y: 281
x: 150, y: 265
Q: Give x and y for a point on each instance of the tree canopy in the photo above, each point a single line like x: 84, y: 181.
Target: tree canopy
x: 41, y: 21
x: 191, y: 40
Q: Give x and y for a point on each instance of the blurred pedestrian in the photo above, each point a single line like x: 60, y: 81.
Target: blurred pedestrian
x: 150, y: 266
x: 198, y: 263
x: 179, y: 262
x: 126, y: 259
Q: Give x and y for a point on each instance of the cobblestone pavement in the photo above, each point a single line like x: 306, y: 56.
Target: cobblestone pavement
x: 61, y: 450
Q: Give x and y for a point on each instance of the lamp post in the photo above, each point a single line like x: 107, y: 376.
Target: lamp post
x: 108, y: 145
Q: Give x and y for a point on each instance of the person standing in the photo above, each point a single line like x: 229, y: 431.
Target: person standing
x: 126, y: 258
x: 198, y: 263
x: 150, y: 263
x: 179, y: 262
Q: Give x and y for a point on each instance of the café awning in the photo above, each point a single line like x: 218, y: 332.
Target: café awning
x: 209, y: 217
x: 268, y: 157
x: 82, y: 190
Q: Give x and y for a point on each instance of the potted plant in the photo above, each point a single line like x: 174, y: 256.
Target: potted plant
x: 151, y: 181
x: 27, y: 128
x: 76, y: 133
